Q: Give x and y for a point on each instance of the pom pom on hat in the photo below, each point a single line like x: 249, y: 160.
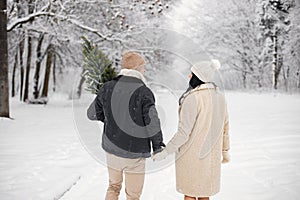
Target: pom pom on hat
x: 216, y: 64
x: 205, y: 70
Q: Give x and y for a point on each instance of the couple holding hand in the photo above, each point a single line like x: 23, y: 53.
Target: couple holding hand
x: 131, y: 128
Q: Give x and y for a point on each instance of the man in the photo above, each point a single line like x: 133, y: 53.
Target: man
x: 131, y: 126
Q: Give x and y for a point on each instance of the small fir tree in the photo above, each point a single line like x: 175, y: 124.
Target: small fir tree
x: 97, y: 67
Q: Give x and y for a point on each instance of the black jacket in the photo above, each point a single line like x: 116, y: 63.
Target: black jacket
x: 131, y: 124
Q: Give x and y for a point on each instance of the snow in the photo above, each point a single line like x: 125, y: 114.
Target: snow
x: 42, y: 156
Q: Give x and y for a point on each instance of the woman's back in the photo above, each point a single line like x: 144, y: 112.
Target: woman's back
x: 198, y: 162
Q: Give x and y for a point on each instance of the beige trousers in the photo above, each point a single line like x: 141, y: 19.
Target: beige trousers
x: 134, y: 170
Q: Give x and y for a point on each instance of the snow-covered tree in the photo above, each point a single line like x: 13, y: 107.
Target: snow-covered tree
x: 60, y: 25
x: 291, y: 50
x: 249, y: 37
x: 275, y: 24
x: 227, y: 31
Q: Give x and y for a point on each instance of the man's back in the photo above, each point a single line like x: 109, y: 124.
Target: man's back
x: 127, y: 108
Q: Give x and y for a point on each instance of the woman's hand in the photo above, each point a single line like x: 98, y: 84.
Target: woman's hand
x: 226, y: 157
x: 160, y: 155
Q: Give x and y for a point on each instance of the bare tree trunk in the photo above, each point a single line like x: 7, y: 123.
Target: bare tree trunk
x: 21, y: 49
x: 13, y: 77
x: 4, y: 92
x: 259, y: 82
x: 38, y: 67
x: 20, y: 13
x: 259, y: 77
x: 260, y: 74
x: 79, y: 88
x: 285, y: 75
x: 47, y: 72
x: 276, y: 69
x: 54, y: 73
x: 28, y: 63
x: 244, y: 76
x: 298, y: 76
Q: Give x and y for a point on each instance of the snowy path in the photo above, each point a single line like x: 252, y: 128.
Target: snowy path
x: 41, y: 156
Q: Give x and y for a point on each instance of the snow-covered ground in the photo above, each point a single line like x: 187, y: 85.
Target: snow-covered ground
x: 42, y: 157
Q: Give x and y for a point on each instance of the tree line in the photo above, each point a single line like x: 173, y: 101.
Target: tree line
x: 43, y: 39
x: 257, y: 41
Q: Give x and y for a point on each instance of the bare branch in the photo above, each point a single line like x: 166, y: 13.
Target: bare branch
x: 26, y: 19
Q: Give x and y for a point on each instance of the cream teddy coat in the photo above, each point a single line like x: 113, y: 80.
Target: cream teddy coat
x: 201, y: 137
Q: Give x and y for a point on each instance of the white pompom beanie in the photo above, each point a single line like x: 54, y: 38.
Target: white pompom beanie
x: 205, y: 70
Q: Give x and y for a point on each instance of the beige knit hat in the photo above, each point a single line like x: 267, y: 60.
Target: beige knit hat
x: 132, y: 60
x: 205, y: 70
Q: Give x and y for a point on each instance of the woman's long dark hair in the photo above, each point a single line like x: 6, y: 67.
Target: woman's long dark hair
x: 195, y: 81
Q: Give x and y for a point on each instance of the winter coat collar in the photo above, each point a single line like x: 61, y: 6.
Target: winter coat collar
x: 206, y: 86
x: 133, y: 73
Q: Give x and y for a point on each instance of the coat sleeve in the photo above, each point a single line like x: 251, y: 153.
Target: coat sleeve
x: 187, y: 119
x: 152, y: 122
x: 95, y: 110
x: 226, y: 143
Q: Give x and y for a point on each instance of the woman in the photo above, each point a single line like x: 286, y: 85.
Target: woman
x: 201, y: 142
